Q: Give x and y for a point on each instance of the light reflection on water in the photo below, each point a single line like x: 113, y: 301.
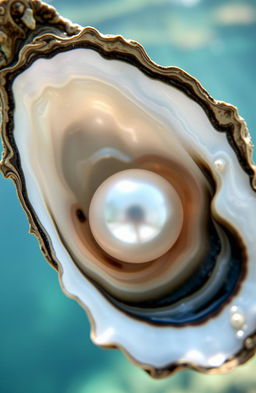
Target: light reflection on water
x: 44, y: 341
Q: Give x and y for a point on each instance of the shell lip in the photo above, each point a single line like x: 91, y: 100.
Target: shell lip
x: 242, y: 356
x: 224, y: 118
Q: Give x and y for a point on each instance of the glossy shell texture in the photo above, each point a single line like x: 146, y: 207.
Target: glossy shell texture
x: 82, y: 109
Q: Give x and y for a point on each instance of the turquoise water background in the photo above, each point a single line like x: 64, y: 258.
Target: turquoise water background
x: 44, y: 336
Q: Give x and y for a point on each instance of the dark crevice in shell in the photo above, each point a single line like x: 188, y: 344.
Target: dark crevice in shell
x: 80, y: 215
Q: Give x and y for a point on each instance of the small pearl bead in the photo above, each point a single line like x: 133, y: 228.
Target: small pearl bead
x: 237, y: 320
x: 220, y: 164
x: 136, y: 215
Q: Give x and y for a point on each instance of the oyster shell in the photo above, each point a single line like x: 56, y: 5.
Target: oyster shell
x: 79, y: 111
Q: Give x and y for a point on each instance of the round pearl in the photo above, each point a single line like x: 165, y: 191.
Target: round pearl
x: 237, y: 320
x: 136, y: 215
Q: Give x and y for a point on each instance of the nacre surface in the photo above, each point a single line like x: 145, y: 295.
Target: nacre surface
x: 85, y: 117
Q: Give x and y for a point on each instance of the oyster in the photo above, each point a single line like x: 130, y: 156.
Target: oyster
x: 141, y: 190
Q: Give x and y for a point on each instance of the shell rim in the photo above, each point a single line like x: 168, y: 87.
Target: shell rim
x: 223, y: 116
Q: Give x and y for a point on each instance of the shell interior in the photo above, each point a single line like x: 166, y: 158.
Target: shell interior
x: 81, y: 117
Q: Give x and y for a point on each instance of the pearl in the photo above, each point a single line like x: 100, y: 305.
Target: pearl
x: 220, y: 164
x: 238, y: 320
x: 135, y: 215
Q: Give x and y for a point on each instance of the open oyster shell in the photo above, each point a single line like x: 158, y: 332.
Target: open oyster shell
x: 79, y: 110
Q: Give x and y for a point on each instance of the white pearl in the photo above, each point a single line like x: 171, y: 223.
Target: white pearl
x: 219, y: 164
x: 237, y: 320
x: 136, y: 215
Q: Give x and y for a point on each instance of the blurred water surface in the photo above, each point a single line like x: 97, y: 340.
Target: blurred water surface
x: 44, y: 336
